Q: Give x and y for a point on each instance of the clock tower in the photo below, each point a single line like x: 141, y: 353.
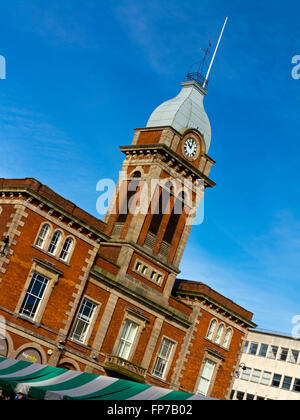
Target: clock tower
x: 164, y: 176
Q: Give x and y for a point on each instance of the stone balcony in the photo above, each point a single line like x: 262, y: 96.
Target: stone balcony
x: 122, y: 367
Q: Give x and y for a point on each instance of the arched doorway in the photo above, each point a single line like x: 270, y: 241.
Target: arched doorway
x: 67, y: 366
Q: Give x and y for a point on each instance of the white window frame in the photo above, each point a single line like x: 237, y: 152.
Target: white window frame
x: 227, y: 338
x: 207, y: 380
x: 88, y: 323
x: 164, y: 360
x: 266, y: 380
x: 42, y: 237
x: 55, y: 244
x: 211, y: 330
x: 256, y: 376
x: 67, y: 249
x: 127, y: 339
x: 38, y: 298
x: 220, y: 332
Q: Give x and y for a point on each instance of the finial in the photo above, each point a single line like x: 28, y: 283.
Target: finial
x: 199, y: 74
x: 214, y: 55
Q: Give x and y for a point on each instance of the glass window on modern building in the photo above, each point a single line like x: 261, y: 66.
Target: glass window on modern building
x: 283, y: 354
x: 253, y: 349
x: 266, y: 378
x: 296, y: 387
x: 256, y: 376
x: 276, y: 380
x: 240, y: 395
x: 246, y: 374
x: 246, y: 345
x: 294, y: 356
x: 273, y: 352
x: 263, y: 350
x: 287, y: 382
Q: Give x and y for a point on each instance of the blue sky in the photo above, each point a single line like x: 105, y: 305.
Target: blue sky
x: 81, y: 76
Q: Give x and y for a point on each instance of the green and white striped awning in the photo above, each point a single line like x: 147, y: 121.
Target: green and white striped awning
x: 49, y: 383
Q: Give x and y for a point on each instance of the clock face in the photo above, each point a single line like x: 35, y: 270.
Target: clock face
x: 190, y: 148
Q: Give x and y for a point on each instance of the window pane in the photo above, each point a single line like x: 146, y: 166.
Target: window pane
x: 273, y: 352
x: 283, y: 354
x: 163, y: 357
x: 294, y: 355
x: 80, y: 330
x: 83, y: 321
x: 127, y: 339
x: 206, y: 377
x: 276, y: 381
x: 263, y: 350
x: 266, y: 378
x: 66, y: 249
x: 54, y: 242
x: 287, y: 382
x: 256, y: 376
x: 246, y: 345
x: 296, y: 387
x: 227, y: 338
x: 211, y: 329
x: 250, y: 397
x: 42, y: 236
x: 246, y: 374
x: 159, y: 367
x: 219, y: 334
x: 34, y: 295
x: 253, y: 349
x: 240, y: 395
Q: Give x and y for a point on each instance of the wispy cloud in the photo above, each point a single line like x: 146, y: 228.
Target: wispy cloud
x: 28, y: 139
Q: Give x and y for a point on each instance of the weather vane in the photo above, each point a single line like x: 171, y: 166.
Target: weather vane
x: 214, y: 55
x: 203, y: 67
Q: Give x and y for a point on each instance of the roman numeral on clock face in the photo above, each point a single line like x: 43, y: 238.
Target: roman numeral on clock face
x: 190, y: 148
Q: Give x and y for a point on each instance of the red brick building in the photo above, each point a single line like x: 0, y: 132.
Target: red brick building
x: 102, y: 296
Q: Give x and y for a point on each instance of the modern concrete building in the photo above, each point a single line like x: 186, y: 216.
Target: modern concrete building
x: 269, y: 369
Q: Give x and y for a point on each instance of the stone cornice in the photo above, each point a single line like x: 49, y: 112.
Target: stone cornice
x: 209, y: 299
x: 26, y: 194
x: 169, y: 154
x: 144, y: 253
x: 167, y: 311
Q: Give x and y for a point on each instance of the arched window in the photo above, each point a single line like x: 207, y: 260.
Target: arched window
x: 219, y: 334
x: 54, y: 242
x: 66, y: 249
x: 30, y: 355
x: 44, y: 232
x: 137, y: 174
x: 211, y: 329
x: 227, y: 338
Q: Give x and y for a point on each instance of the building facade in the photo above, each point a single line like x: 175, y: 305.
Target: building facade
x: 269, y: 369
x: 102, y: 296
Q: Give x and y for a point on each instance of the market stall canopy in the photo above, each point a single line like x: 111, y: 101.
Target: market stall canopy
x: 50, y: 383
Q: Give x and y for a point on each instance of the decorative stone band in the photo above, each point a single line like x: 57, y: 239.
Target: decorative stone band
x: 125, y: 367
